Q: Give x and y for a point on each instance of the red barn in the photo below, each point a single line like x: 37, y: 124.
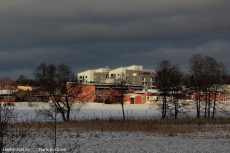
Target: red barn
x: 136, y: 99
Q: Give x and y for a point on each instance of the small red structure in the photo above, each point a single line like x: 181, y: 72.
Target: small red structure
x: 136, y: 99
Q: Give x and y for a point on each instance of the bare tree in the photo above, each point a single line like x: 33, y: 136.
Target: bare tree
x: 7, y: 83
x: 196, y: 70
x: 55, y: 133
x: 121, y: 87
x: 167, y: 80
x: 14, y: 132
x: 6, y: 116
x: 62, y: 86
x: 21, y: 80
x: 219, y: 85
x: 208, y: 76
x: 176, y: 86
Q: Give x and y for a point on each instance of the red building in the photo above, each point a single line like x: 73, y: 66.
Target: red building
x: 136, y: 99
x: 203, y: 96
x: 109, y: 93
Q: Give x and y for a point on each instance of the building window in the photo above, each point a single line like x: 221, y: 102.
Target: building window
x: 80, y: 77
x: 134, y: 74
x: 85, y: 76
x: 134, y: 79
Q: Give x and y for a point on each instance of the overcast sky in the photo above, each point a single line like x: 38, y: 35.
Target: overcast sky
x: 89, y: 34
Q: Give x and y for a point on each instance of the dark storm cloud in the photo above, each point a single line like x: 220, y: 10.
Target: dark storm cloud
x: 109, y: 20
x: 89, y: 34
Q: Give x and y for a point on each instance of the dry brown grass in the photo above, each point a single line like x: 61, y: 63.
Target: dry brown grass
x: 171, y: 127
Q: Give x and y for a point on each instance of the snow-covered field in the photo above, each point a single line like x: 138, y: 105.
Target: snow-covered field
x: 146, y: 142
x: 92, y: 110
x: 123, y: 142
x: 134, y: 142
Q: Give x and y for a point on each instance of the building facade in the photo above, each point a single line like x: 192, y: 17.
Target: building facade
x: 93, y: 76
x: 134, y: 75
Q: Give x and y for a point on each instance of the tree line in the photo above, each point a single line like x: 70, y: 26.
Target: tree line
x: 206, y: 77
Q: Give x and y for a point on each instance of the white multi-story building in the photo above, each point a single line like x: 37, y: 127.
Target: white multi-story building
x: 94, y: 76
x: 134, y: 75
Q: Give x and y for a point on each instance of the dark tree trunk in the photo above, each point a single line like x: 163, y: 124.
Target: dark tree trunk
x: 209, y: 104
x: 206, y: 103
x: 176, y: 110
x: 123, y: 111
x: 198, y: 108
x: 68, y: 114
x: 164, y: 107
x: 214, y: 106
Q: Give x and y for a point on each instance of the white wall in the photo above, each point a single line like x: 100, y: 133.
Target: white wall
x: 118, y: 71
x: 135, y: 67
x: 88, y: 75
